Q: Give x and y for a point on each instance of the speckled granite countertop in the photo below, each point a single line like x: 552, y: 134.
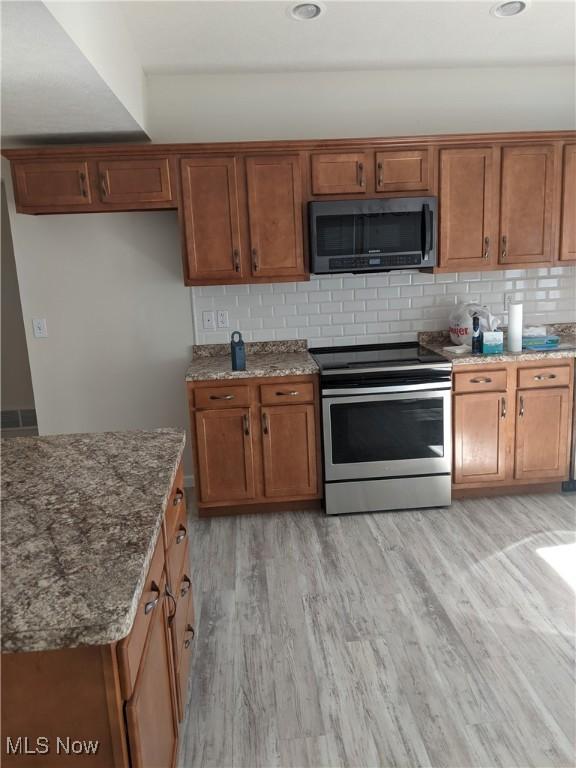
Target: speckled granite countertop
x: 81, y: 516
x: 267, y: 358
x: 437, y: 340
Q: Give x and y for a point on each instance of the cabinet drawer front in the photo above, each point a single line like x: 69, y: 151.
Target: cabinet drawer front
x: 336, y: 173
x: 233, y: 396
x: 399, y: 171
x: 292, y: 392
x: 481, y: 381
x: 131, y: 647
x: 544, y: 376
x: 177, y: 545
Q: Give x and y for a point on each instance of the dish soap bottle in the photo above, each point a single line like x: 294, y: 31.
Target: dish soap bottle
x: 238, y: 352
x: 476, y: 336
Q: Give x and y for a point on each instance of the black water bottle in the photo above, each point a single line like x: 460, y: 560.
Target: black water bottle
x: 238, y: 352
x: 476, y: 336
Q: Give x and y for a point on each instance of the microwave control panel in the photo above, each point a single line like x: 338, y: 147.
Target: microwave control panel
x: 375, y: 262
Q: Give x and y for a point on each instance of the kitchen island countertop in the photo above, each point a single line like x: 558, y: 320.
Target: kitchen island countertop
x: 81, y: 514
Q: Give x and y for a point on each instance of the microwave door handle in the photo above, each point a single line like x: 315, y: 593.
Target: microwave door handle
x: 427, y: 229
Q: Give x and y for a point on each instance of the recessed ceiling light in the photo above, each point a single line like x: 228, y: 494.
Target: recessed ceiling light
x: 511, y: 8
x: 306, y: 11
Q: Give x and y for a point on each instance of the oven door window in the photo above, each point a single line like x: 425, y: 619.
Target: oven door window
x: 389, y: 430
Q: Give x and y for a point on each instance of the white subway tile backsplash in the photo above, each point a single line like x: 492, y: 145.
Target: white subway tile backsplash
x: 380, y: 308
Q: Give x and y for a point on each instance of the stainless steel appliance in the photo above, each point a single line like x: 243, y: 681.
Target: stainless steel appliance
x: 387, y: 435
x: 372, y: 235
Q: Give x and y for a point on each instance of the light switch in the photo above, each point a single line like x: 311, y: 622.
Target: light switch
x: 40, y: 327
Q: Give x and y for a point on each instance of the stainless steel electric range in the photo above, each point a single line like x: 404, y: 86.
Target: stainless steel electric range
x: 387, y: 435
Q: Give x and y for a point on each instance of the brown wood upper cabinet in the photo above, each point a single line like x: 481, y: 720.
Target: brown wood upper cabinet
x: 568, y: 231
x: 468, y: 208
x: 526, y: 204
x: 52, y: 185
x: 135, y: 181
x: 404, y: 170
x: 211, y: 219
x: 337, y: 173
x: 275, y: 215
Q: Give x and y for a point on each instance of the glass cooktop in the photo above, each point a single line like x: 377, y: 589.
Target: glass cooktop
x: 375, y: 356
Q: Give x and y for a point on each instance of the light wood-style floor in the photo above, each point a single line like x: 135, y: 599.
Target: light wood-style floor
x: 436, y: 638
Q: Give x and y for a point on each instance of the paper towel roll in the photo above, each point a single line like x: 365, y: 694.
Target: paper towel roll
x: 515, y: 328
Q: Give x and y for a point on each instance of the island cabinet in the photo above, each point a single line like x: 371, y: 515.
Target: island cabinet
x: 512, y: 423
x: 255, y: 442
x: 116, y: 705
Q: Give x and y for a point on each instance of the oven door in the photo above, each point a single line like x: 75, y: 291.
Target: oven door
x: 387, y: 435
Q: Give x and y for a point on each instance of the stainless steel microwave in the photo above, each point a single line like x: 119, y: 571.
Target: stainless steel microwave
x: 372, y: 235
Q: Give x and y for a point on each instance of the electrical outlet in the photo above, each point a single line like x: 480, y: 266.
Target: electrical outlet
x: 208, y: 320
x: 222, y: 318
x: 40, y: 327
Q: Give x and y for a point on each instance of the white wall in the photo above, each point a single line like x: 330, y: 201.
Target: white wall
x: 118, y: 315
x: 228, y: 107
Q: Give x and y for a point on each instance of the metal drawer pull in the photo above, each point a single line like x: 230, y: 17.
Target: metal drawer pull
x: 264, y: 422
x: 380, y: 175
x: 236, y: 256
x: 188, y: 641
x: 521, y: 406
x: 294, y: 393
x: 83, y: 189
x: 181, y: 535
x: 103, y: 185
x: 255, y: 265
x: 486, y: 248
x: 170, y: 595
x: 178, y: 496
x: 151, y: 604
x: 361, y: 174
x: 504, y: 244
x: 246, y: 424
x: 184, y: 590
x: 221, y: 397
x: 485, y: 380
x: 503, y: 408
x: 544, y: 376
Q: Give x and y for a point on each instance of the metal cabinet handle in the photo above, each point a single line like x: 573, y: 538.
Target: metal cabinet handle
x: 178, y: 496
x: 103, y: 185
x: 380, y: 175
x: 246, y: 424
x: 221, y: 397
x: 151, y: 604
x: 170, y: 596
x: 503, y: 408
x: 544, y: 376
x: 486, y: 253
x: 236, y: 257
x: 187, y: 584
x: 264, y: 422
x: 255, y: 265
x: 83, y: 189
x: 181, y: 534
x: 361, y: 174
x: 188, y: 641
x: 504, y: 246
x: 483, y: 380
x: 521, y: 406
x: 293, y: 393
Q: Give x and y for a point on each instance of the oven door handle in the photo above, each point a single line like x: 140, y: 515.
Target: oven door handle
x: 376, y: 397
x: 414, y: 390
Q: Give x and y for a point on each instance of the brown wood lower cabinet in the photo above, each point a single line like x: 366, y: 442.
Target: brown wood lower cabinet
x: 127, y: 696
x: 512, y: 423
x: 267, y: 451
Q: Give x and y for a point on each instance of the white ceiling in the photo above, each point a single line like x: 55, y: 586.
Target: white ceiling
x: 50, y: 92
x: 258, y: 36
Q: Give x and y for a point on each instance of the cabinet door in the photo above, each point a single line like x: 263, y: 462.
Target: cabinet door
x: 185, y: 654
x: 542, y: 434
x: 480, y: 437
x: 340, y: 173
x: 468, y: 232
x: 135, y: 181
x: 211, y: 220
x: 403, y: 171
x: 151, y: 713
x: 568, y: 232
x: 275, y: 212
x: 526, y: 204
x: 225, y: 455
x: 289, y: 447
x: 55, y: 184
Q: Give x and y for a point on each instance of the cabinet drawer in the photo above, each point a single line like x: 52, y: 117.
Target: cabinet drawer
x: 544, y: 376
x: 232, y: 396
x: 291, y: 392
x: 131, y: 647
x: 176, y: 545
x: 481, y: 381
